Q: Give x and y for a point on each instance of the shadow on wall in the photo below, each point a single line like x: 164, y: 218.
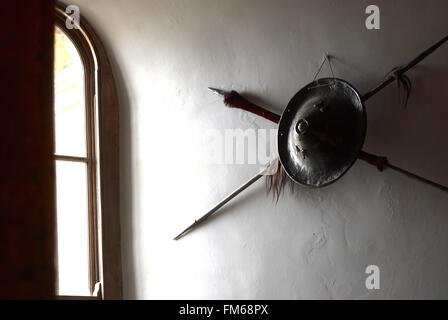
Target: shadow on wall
x: 126, y: 182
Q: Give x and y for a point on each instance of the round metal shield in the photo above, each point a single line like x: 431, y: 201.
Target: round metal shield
x: 321, y: 132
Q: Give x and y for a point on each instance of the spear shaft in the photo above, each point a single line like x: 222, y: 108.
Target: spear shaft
x: 382, y: 163
x: 233, y: 99
x: 222, y: 203
x: 404, y: 69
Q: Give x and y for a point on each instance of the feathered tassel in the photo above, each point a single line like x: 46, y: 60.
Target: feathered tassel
x: 404, y: 84
x: 277, y: 179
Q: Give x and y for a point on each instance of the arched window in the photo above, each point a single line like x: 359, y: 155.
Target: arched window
x: 86, y: 155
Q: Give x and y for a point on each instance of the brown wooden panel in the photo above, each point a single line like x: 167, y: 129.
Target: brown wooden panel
x: 27, y: 174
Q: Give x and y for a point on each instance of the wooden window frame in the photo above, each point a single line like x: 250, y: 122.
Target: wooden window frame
x: 102, y: 159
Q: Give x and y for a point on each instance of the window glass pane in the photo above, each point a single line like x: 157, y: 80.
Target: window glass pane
x: 70, y: 113
x: 72, y: 228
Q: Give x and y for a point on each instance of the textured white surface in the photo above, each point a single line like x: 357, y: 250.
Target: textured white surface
x: 313, y: 243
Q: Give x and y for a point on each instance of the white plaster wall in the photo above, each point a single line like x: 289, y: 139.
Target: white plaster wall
x: 313, y: 243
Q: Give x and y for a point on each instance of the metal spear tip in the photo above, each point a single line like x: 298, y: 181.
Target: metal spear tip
x: 180, y: 235
x: 217, y: 91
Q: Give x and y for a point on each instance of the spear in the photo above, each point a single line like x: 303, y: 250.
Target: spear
x: 233, y: 99
x: 237, y: 101
x: 222, y: 203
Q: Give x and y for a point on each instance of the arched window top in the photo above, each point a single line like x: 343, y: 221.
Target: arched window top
x: 69, y: 93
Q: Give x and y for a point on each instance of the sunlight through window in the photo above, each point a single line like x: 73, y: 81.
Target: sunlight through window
x: 71, y: 170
